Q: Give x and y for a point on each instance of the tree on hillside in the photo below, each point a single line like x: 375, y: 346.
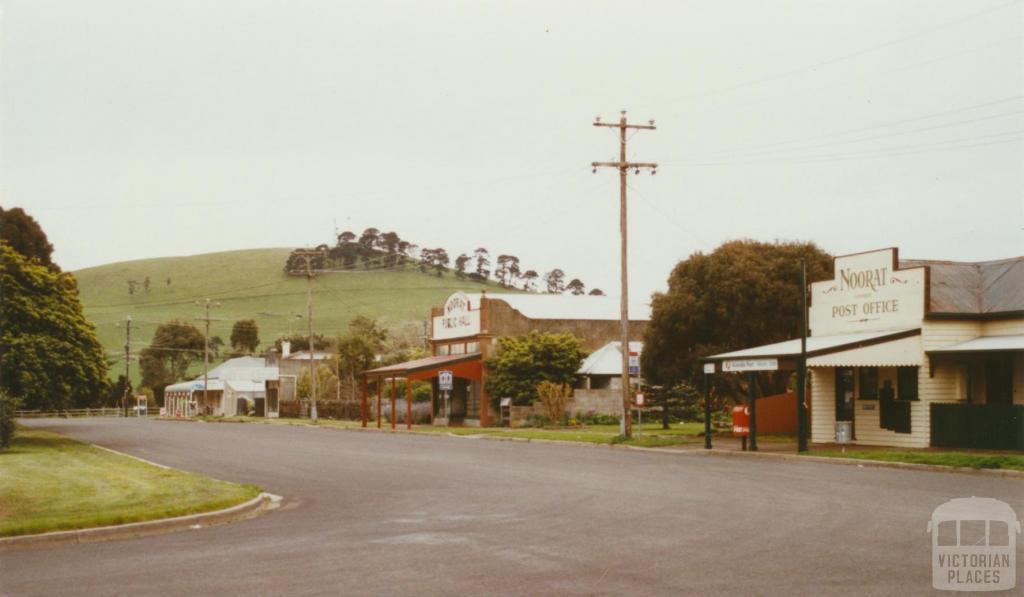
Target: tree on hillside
x: 216, y: 343
x: 23, y: 234
x: 520, y: 363
x: 576, y: 287
x: 460, y: 265
x: 555, y: 281
x: 245, y: 336
x: 358, y: 349
x: 175, y: 346
x: 596, y: 292
x: 440, y: 261
x: 346, y: 237
x: 368, y: 243
x: 49, y: 355
x: 529, y: 280
x: 389, y: 242
x: 482, y: 257
x: 745, y: 293
x: 508, y: 270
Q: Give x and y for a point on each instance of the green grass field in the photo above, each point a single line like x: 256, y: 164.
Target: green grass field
x: 251, y: 285
x: 958, y: 459
x: 49, y: 483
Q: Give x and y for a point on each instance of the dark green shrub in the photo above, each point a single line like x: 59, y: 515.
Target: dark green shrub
x: 8, y: 425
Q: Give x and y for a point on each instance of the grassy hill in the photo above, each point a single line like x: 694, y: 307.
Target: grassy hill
x: 251, y: 285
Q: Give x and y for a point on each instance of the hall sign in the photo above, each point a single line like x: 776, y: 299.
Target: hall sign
x: 869, y: 293
x: 458, y: 319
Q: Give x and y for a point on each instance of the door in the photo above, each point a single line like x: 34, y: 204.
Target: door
x: 844, y: 393
x: 260, y: 407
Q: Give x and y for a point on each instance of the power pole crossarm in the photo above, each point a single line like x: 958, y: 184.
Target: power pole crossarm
x: 624, y: 167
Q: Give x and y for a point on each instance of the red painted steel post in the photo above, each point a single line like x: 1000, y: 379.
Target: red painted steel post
x: 364, y: 405
x: 394, y: 404
x: 408, y: 403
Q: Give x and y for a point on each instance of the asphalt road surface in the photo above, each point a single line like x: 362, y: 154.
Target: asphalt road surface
x: 383, y: 514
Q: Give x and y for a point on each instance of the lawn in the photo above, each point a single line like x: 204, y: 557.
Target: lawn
x: 958, y: 459
x: 250, y: 284
x: 49, y: 482
x: 648, y: 434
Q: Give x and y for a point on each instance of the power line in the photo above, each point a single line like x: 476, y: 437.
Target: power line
x: 966, y: 142
x: 758, y: 148
x: 850, y: 55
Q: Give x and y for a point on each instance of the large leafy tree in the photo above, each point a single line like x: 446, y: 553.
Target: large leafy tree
x: 522, y: 362
x: 745, y: 293
x: 358, y: 349
x: 49, y: 355
x: 23, y: 234
x: 245, y: 336
x: 175, y: 346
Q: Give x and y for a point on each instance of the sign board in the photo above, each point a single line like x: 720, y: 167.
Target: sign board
x: 639, y: 399
x: 740, y: 421
x: 738, y: 365
x: 445, y: 381
x: 709, y: 368
x: 634, y: 364
x: 869, y: 294
x: 458, y: 319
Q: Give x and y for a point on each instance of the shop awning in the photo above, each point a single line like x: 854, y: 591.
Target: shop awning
x: 464, y: 365
x: 1010, y: 343
x: 901, y: 352
x: 862, y: 347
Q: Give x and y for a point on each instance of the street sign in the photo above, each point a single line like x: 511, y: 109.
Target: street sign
x: 634, y: 364
x: 445, y: 381
x: 709, y: 368
x: 750, y: 365
x: 639, y: 399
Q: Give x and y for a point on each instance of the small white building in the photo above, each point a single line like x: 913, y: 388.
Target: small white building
x: 599, y: 379
x: 243, y: 379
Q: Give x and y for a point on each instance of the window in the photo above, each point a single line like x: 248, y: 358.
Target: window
x: 458, y: 348
x: 906, y: 383
x: 472, y: 347
x: 442, y: 349
x: 868, y: 383
x: 998, y: 381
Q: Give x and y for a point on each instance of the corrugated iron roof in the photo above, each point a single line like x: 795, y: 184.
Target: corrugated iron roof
x: 980, y: 288
x: 607, y: 360
x: 1012, y: 343
x: 567, y: 306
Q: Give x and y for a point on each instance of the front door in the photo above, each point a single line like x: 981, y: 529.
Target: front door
x: 844, y: 394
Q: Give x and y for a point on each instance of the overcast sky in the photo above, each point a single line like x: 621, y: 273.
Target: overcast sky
x: 137, y: 129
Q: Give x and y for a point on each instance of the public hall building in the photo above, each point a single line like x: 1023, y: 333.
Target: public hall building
x: 465, y: 329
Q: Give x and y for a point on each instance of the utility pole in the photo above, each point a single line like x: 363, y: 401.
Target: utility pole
x: 206, y: 349
x: 127, y: 363
x: 308, y: 256
x: 801, y: 370
x: 624, y: 167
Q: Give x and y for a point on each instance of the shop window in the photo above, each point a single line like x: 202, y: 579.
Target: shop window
x: 458, y: 348
x: 472, y: 347
x: 906, y: 383
x: 998, y: 381
x: 868, y: 383
x: 442, y: 349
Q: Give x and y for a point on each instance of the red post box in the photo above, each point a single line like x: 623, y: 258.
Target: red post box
x: 740, y: 421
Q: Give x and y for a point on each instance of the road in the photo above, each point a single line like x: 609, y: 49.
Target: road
x: 383, y: 514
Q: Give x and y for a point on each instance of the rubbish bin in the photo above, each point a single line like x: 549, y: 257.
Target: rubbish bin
x: 844, y: 432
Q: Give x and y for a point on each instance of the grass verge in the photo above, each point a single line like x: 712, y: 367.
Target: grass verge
x: 50, y: 483
x: 959, y: 459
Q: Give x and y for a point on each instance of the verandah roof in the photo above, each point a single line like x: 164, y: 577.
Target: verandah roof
x: 1008, y: 343
x: 816, y: 345
x: 422, y: 367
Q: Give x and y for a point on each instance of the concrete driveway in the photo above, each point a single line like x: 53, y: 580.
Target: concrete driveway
x: 383, y: 514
